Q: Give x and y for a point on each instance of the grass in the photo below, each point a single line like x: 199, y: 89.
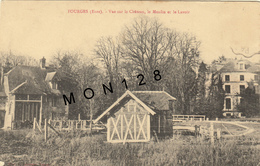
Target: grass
x: 23, y: 147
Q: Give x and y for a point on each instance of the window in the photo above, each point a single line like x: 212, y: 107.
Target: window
x: 256, y: 78
x: 241, y: 66
x: 54, y: 102
x: 228, y: 103
x: 54, y: 85
x: 227, y: 78
x: 242, y: 88
x: 227, y: 88
x: 242, y: 77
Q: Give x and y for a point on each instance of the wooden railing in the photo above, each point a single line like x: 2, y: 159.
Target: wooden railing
x: 70, y: 124
x: 189, y: 117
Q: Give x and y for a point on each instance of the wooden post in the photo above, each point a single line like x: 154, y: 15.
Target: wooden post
x: 216, y: 119
x: 122, y: 127
x: 91, y: 115
x: 45, y: 130
x: 40, y: 120
x: 60, y: 125
x: 218, y: 133
x: 207, y: 119
x: 212, y: 133
x: 202, y: 132
x: 108, y: 129
x: 148, y: 127
x: 78, y: 116
x: 34, y: 121
x: 159, y: 125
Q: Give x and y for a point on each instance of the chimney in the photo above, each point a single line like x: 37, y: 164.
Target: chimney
x: 43, y: 63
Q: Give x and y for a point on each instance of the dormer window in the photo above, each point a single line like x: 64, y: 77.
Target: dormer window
x: 241, y: 66
x: 54, y: 85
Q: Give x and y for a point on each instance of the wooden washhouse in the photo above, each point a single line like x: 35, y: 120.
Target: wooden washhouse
x: 138, y: 116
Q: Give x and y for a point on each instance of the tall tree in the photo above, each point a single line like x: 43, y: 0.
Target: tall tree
x: 109, y: 51
x: 147, y: 43
x: 250, y: 102
x: 77, y: 75
x: 146, y: 46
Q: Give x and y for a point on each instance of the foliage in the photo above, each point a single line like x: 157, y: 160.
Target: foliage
x: 212, y: 104
x: 93, y: 151
x: 250, y: 104
x: 77, y: 74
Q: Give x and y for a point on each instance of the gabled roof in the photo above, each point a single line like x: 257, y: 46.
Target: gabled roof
x: 254, y: 68
x: 156, y: 100
x: 2, y: 91
x: 232, y: 66
x: 152, y: 101
x: 50, y: 76
x: 28, y: 80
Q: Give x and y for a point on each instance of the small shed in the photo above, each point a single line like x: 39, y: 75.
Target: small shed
x: 137, y: 116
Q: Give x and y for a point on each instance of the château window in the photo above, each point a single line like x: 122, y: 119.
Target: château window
x: 228, y: 103
x: 227, y: 88
x: 227, y: 78
x: 242, y: 77
x: 242, y: 88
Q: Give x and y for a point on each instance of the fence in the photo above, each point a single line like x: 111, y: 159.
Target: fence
x: 70, y: 124
x: 189, y: 117
x: 66, y: 125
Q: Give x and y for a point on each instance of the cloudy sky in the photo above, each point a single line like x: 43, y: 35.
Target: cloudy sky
x: 40, y: 28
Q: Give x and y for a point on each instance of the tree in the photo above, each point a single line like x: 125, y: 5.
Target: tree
x: 213, y: 104
x: 250, y: 102
x: 77, y: 75
x: 109, y: 51
x: 147, y: 43
x: 146, y: 46
x: 181, y: 75
x: 201, y: 81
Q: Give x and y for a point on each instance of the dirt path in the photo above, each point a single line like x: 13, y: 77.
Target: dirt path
x: 247, y: 131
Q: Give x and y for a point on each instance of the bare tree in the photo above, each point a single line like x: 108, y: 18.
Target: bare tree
x: 109, y: 51
x: 147, y: 44
x: 182, y: 67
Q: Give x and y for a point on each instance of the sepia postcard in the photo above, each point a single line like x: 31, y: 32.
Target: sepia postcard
x: 129, y: 83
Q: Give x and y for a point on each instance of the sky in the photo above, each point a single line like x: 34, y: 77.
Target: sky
x: 42, y: 28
